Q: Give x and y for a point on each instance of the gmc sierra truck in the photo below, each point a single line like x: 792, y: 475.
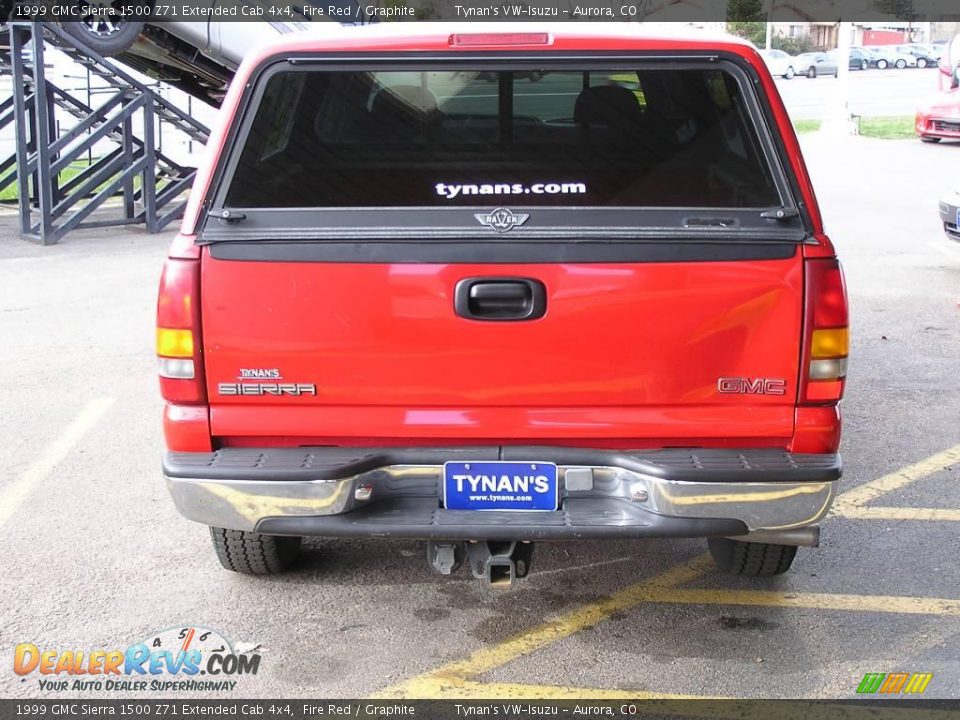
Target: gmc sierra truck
x: 487, y: 286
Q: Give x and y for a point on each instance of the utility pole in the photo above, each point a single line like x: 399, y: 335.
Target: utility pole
x: 838, y: 117
x: 768, y: 42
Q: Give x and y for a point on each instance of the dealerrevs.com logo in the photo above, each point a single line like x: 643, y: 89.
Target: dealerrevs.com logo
x: 191, y: 659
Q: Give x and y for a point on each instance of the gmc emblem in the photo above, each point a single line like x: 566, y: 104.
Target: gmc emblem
x: 751, y: 386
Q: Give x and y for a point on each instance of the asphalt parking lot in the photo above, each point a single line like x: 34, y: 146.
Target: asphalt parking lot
x: 872, y: 92
x: 95, y: 555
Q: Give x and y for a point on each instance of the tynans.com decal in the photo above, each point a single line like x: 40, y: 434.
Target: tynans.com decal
x: 190, y: 659
x: 453, y: 190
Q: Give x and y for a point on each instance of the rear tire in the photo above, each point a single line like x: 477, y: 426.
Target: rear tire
x: 864, y: 65
x: 881, y: 64
x: 921, y: 63
x: 901, y: 64
x: 788, y: 75
x: 254, y: 554
x: 751, y: 559
x: 812, y: 73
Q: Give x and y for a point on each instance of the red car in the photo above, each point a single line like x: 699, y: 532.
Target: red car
x: 939, y: 118
x: 408, y: 302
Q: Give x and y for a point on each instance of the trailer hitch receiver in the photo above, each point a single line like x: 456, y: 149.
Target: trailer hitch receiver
x: 499, y: 563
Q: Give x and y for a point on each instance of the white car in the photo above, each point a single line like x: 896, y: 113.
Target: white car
x: 779, y: 63
x: 888, y: 57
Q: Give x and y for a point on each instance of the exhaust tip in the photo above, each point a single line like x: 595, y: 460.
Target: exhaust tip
x: 808, y: 536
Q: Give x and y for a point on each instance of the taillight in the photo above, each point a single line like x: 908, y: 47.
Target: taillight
x: 178, y: 333
x: 826, y: 336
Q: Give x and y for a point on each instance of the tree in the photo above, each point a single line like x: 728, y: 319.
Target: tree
x: 755, y: 32
x: 900, y: 9
x: 743, y: 11
x: 746, y: 19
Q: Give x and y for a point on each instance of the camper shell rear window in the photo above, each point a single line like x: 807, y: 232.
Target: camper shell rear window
x: 432, y: 146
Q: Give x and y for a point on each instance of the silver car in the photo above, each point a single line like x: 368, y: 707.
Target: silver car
x: 816, y: 64
x: 950, y: 214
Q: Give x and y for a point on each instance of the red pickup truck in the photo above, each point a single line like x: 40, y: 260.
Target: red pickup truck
x: 488, y: 286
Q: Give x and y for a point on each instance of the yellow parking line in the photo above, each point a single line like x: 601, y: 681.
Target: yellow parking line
x: 573, y: 622
x: 817, y: 601
x: 460, y: 689
x: 857, y: 512
x: 862, y: 494
x: 443, y: 678
x: 13, y: 495
x: 453, y: 680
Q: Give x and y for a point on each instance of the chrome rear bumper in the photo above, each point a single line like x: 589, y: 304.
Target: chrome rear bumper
x: 371, y: 493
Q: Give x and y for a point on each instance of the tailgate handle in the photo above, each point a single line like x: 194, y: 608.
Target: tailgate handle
x: 503, y: 299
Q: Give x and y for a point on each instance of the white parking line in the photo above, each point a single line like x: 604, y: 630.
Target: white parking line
x: 13, y: 495
x: 588, y: 566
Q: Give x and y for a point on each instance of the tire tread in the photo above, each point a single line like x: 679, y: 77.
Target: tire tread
x: 751, y: 559
x: 251, y: 553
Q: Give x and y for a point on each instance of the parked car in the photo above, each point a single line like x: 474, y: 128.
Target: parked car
x: 939, y: 118
x: 948, y: 75
x: 861, y: 59
x: 816, y: 64
x: 779, y: 63
x: 923, y: 57
x: 888, y: 57
x: 950, y: 214
x: 368, y: 334
x: 934, y: 51
x: 168, y: 49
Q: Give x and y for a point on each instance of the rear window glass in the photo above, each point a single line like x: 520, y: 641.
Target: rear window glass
x: 447, y: 138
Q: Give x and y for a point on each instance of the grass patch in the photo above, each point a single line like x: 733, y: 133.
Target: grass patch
x: 888, y: 128
x: 67, y: 174
x: 807, y: 126
x: 885, y: 128
x: 9, y: 193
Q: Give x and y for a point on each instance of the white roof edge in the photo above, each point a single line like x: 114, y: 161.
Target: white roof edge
x: 649, y: 30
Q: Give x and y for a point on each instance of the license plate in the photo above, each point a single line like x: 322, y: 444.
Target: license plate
x: 500, y: 486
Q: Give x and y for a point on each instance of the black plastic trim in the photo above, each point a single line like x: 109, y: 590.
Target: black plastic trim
x: 478, y: 252
x: 420, y: 518
x: 334, y: 463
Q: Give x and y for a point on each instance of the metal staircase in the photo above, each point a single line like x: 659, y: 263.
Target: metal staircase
x: 150, y: 184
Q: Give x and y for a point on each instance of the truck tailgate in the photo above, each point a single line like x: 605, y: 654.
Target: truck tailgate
x: 623, y: 350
